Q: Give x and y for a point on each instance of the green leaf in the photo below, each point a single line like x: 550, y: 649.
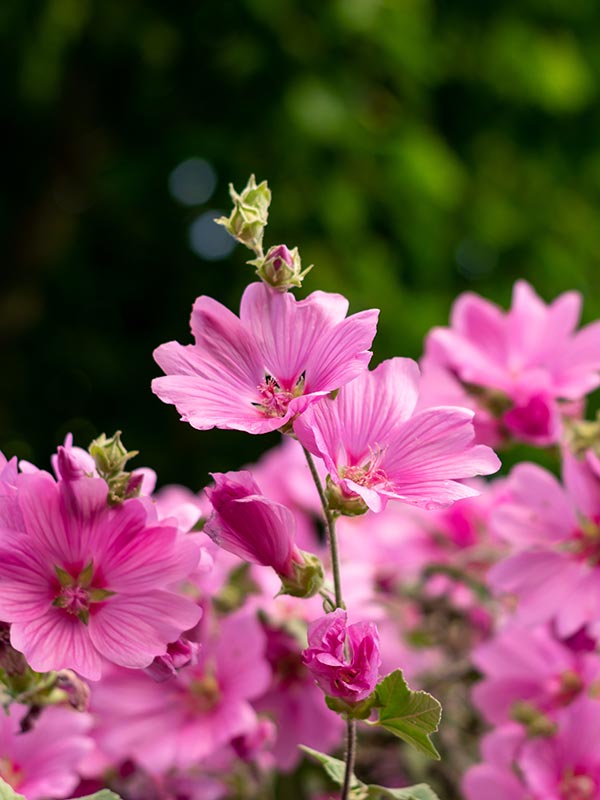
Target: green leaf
x: 103, y: 794
x: 361, y: 791
x: 412, y: 716
x: 418, y: 792
x: 8, y: 793
x: 335, y: 768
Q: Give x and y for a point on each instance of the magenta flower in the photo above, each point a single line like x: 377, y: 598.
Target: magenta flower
x: 251, y: 526
x: 350, y: 677
x: 44, y: 761
x: 83, y: 583
x: 376, y: 448
x: 527, y: 359
x: 257, y: 372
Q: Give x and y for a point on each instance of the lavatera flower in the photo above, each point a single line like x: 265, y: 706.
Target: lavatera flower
x: 376, y: 448
x: 257, y: 372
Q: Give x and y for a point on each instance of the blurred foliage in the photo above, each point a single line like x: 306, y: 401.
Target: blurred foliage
x: 415, y: 149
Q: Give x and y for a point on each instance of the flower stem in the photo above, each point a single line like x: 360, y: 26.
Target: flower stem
x: 350, y: 754
x: 339, y: 603
x: 331, y: 534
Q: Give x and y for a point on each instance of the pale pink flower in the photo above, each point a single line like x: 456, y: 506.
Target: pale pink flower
x: 374, y: 446
x: 565, y: 766
x: 44, y: 761
x: 343, y: 659
x: 83, y: 583
x: 555, y: 530
x: 257, y: 372
x: 530, y: 665
x: 527, y: 359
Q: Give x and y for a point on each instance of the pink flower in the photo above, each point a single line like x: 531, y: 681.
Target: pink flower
x: 43, y: 762
x: 528, y: 358
x: 376, y: 448
x: 350, y: 677
x: 295, y: 703
x: 555, y: 530
x: 523, y: 665
x: 251, y: 526
x: 83, y: 583
x: 201, y: 709
x: 256, y: 372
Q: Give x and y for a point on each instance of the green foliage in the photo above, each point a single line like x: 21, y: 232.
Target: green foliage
x: 7, y: 793
x: 412, y: 716
x: 335, y: 769
x: 414, y: 150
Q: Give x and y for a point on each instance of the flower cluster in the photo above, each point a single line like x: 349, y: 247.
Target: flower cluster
x: 170, y: 645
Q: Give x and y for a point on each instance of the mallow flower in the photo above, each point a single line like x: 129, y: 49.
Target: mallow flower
x: 376, y: 448
x: 84, y: 583
x: 343, y: 659
x: 249, y: 525
x: 257, y: 372
x: 519, y: 364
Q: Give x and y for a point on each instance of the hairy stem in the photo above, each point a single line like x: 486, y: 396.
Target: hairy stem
x: 350, y: 754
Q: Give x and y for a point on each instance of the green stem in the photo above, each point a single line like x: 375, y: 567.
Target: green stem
x: 331, y: 534
x: 350, y: 755
x: 339, y: 603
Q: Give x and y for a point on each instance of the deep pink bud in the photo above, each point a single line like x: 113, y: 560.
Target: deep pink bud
x: 343, y: 659
x: 251, y: 526
x: 69, y: 467
x: 181, y: 653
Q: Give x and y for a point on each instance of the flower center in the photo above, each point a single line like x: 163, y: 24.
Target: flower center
x: 204, y: 693
x: 585, y: 542
x: 368, y: 474
x: 75, y: 593
x: 274, y: 400
x: 577, y: 787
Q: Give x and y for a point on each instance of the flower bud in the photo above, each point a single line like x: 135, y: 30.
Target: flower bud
x: 343, y: 659
x: 281, y: 268
x: 247, y: 221
x: 181, y: 653
x: 110, y: 456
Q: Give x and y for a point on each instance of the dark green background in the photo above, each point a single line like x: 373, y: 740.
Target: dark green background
x: 415, y: 149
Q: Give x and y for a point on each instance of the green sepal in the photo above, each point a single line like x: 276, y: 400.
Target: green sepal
x: 98, y: 595
x: 341, y: 503
x: 360, y: 710
x: 336, y: 770
x: 64, y: 578
x: 308, y: 577
x: 412, y: 716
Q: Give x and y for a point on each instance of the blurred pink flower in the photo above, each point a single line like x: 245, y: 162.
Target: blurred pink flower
x: 555, y: 531
x: 528, y: 358
x: 256, y: 372
x: 188, y: 718
x: 375, y: 447
x: 83, y: 583
x: 350, y: 676
x: 44, y: 761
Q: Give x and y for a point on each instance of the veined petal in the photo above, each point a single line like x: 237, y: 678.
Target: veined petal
x: 56, y: 640
x: 435, y: 445
x: 131, y: 631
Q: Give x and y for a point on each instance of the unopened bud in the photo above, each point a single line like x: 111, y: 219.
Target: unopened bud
x: 307, y: 578
x: 110, y: 456
x: 281, y: 268
x: 181, y: 653
x: 247, y: 221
